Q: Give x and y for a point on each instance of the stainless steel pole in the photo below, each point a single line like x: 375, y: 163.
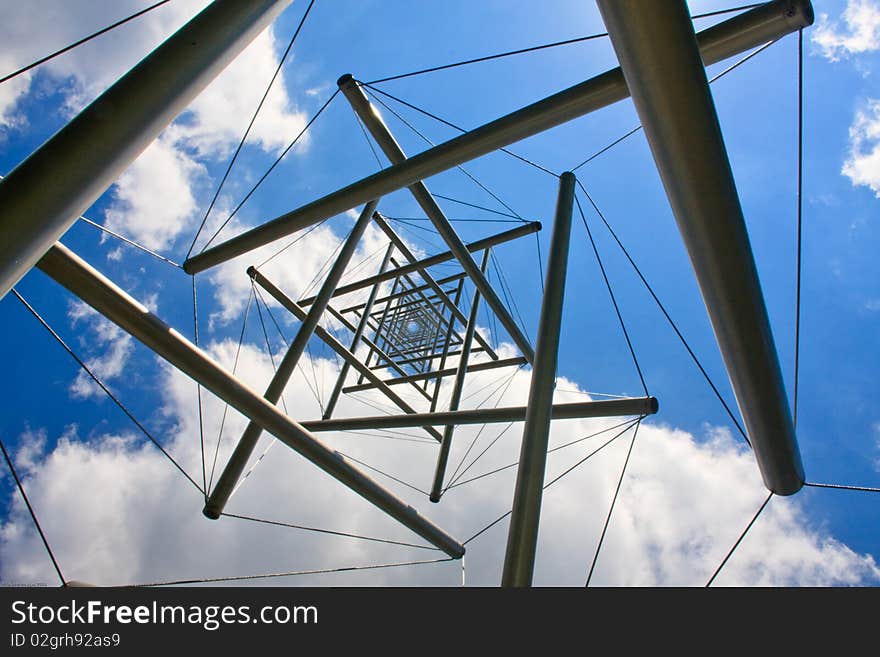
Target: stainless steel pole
x: 336, y: 346
x: 218, y: 497
x: 435, y: 285
x: 373, y: 347
x: 447, y: 343
x: 658, y: 53
x: 372, y: 119
x: 732, y: 37
x: 376, y: 333
x: 439, y: 374
x: 573, y: 411
x: 457, y: 389
x: 441, y: 281
x: 104, y: 296
x: 45, y: 194
x: 522, y: 538
x: 430, y: 261
x: 358, y: 333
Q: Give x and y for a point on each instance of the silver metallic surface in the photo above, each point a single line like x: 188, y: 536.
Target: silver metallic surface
x: 658, y: 53
x: 522, y: 537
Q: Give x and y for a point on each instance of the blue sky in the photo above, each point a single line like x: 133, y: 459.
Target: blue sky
x: 66, y: 434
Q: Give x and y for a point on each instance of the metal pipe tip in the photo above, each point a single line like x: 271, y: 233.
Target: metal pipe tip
x: 654, y: 405
x: 211, y: 512
x: 434, y: 497
x: 344, y: 79
x: 251, y: 271
x: 801, y: 12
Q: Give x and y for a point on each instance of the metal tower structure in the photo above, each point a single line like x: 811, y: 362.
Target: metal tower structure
x: 411, y: 333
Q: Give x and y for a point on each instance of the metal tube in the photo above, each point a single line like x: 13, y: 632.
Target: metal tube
x: 732, y: 37
x: 373, y: 346
x: 104, y: 296
x: 457, y: 388
x: 441, y: 281
x: 335, y: 345
x: 439, y: 374
x: 430, y: 261
x: 423, y: 301
x: 237, y: 462
x: 394, y: 287
x: 372, y: 120
x: 381, y: 366
x: 435, y: 285
x: 45, y: 194
x: 573, y: 411
x: 358, y: 333
x: 522, y: 537
x: 658, y: 53
x: 447, y: 343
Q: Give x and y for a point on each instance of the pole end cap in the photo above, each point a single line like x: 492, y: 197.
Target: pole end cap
x: 210, y: 511
x: 345, y: 79
x: 800, y: 11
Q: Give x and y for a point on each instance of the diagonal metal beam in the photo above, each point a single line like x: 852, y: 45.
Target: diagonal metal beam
x: 574, y: 411
x: 335, y: 345
x: 522, y: 537
x: 430, y: 261
x: 358, y: 334
x: 441, y: 373
x: 457, y: 389
x: 734, y: 36
x: 425, y: 286
x: 372, y: 119
x: 374, y: 348
x: 435, y: 285
x: 44, y: 195
x: 113, y: 303
x: 657, y: 50
x: 237, y: 462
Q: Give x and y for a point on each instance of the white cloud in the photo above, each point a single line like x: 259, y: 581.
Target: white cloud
x: 295, y: 268
x: 876, y: 429
x: 157, y: 197
x: 114, y: 344
x: 859, y: 34
x: 116, y: 512
x: 862, y: 166
x: 153, y: 199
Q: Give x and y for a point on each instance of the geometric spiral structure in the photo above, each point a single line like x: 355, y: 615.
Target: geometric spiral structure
x: 409, y: 337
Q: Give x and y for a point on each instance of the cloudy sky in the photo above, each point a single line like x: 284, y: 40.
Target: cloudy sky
x: 116, y: 511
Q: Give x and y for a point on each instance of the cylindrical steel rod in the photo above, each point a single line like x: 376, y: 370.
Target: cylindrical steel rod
x: 435, y: 285
x: 377, y: 333
x: 457, y: 388
x: 358, y: 333
x: 425, y: 286
x: 219, y: 497
x: 336, y: 346
x: 383, y: 365
x: 732, y: 37
x: 522, y: 537
x: 373, y: 347
x: 42, y: 197
x: 573, y: 411
x: 444, y: 354
x: 658, y: 53
x: 430, y: 261
x: 372, y: 120
x: 101, y: 294
x: 439, y: 374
